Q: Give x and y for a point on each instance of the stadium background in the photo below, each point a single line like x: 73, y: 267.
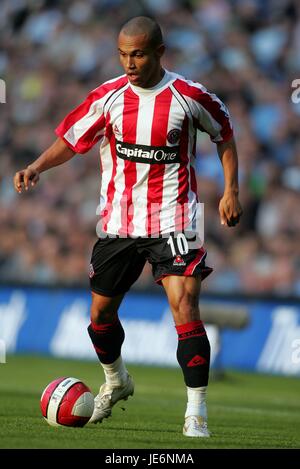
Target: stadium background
x: 247, y: 52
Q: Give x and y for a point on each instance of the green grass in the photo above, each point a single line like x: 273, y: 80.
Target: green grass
x: 245, y: 410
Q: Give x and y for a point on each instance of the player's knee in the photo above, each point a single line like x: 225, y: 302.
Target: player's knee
x: 103, y: 310
x: 102, y: 316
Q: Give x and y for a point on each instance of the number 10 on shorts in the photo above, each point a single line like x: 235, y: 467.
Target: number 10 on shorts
x: 178, y: 244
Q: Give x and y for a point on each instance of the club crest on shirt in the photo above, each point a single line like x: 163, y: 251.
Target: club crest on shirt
x: 173, y: 136
x: 178, y: 261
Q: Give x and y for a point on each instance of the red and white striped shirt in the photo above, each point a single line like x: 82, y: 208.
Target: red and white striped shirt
x: 147, y: 151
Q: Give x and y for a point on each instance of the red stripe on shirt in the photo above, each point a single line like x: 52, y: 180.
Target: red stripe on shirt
x: 156, y: 173
x: 213, y: 107
x: 88, y: 139
x: 130, y: 117
x: 193, y: 181
x: 193, y: 178
x: 181, y: 214
x: 111, y: 188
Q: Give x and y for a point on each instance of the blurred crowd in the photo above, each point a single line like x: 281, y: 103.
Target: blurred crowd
x: 246, y: 51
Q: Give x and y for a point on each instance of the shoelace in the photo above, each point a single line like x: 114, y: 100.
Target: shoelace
x: 101, y: 401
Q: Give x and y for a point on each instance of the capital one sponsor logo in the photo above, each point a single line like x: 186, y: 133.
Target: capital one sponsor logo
x: 147, y: 154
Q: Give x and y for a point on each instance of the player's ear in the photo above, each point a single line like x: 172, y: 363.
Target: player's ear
x: 160, y: 50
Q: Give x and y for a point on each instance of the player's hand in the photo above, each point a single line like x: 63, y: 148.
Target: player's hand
x: 230, y: 209
x: 25, y: 178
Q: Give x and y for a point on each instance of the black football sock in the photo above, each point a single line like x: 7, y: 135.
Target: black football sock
x: 107, y: 340
x: 193, y: 353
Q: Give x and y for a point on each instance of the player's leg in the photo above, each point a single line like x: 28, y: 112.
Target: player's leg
x: 193, y: 352
x: 107, y: 335
x: 115, y: 266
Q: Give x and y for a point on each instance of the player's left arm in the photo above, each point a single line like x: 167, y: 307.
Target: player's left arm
x: 212, y: 117
x: 229, y: 207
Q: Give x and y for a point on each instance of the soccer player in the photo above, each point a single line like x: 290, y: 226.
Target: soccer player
x: 147, y: 120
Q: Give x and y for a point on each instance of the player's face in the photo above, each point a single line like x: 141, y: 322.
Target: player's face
x: 140, y: 60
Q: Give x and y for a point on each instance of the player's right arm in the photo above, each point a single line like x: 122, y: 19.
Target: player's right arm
x: 78, y: 132
x: 57, y: 154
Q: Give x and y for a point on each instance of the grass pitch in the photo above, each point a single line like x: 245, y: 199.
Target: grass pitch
x: 245, y: 410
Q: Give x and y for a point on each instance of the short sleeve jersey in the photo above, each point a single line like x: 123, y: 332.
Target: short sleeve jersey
x: 147, y: 150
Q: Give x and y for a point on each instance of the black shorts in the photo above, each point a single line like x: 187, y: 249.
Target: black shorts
x: 117, y: 263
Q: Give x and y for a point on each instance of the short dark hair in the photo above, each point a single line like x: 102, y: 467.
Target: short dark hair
x: 144, y: 25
